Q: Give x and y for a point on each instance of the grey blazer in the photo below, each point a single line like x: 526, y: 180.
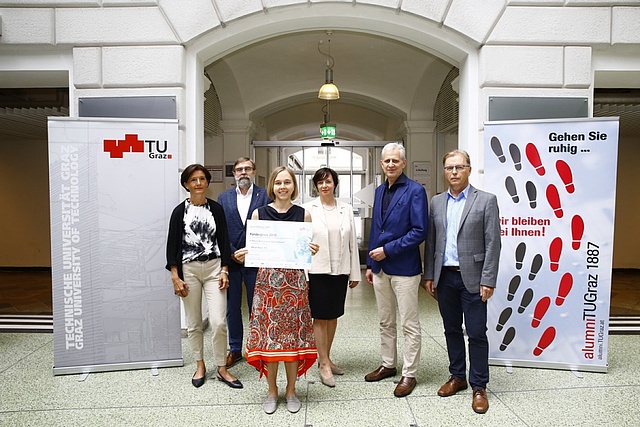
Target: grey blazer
x: 478, y: 239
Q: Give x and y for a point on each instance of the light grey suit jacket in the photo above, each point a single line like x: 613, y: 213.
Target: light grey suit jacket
x: 478, y: 239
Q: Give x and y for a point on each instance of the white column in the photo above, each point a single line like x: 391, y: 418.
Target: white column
x: 236, y: 138
x: 420, y: 145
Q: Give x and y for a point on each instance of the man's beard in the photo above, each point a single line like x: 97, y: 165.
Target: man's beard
x: 244, y: 182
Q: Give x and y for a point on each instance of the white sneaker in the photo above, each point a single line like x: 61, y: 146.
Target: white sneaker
x: 270, y: 405
x: 293, y: 404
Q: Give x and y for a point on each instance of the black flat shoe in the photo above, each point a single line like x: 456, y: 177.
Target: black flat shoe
x: 198, y: 382
x: 233, y: 384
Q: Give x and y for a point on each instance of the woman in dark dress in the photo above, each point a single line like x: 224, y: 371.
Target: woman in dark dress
x: 280, y: 327
x: 334, y: 268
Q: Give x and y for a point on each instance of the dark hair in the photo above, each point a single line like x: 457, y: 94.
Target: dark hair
x: 272, y: 180
x: 189, y: 170
x: 324, y: 173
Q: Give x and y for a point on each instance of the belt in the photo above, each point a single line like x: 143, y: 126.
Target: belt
x: 205, y: 258
x: 452, y: 267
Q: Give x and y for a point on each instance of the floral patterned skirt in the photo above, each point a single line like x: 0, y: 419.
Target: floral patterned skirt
x: 280, y: 327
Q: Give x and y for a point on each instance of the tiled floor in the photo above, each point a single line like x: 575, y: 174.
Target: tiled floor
x: 31, y: 396
x: 29, y: 292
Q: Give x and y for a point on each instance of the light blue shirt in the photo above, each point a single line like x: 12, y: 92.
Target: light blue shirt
x: 454, y: 214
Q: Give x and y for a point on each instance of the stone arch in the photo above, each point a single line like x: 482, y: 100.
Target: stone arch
x: 413, y: 30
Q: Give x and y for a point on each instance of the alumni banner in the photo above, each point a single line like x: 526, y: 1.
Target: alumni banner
x: 556, y: 186
x: 113, y: 184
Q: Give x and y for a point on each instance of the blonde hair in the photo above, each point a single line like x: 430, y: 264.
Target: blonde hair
x: 272, y: 180
x: 463, y: 153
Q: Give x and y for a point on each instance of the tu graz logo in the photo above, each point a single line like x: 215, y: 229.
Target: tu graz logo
x: 132, y: 144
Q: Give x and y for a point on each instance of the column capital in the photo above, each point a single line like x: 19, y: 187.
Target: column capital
x: 237, y: 126
x: 417, y: 126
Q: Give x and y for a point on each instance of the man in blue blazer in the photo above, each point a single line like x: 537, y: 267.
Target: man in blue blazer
x: 394, y: 267
x: 238, y: 204
x: 461, y: 268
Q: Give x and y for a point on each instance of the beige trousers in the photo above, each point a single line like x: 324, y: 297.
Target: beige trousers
x: 202, y: 279
x: 399, y: 293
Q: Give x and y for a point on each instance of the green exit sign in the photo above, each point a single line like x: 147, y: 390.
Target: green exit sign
x: 328, y: 130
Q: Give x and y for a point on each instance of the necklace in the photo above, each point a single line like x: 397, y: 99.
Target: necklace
x: 328, y: 209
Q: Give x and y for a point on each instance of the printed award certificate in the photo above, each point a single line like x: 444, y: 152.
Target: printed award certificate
x: 278, y: 244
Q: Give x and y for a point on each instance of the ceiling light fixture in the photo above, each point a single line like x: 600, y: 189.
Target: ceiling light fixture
x: 328, y: 91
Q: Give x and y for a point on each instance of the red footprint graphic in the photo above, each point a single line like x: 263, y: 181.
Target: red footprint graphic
x: 577, y: 231
x: 546, y: 339
x: 534, y: 158
x: 566, y: 283
x: 565, y: 175
x: 541, y: 309
x: 553, y: 197
x: 555, y: 249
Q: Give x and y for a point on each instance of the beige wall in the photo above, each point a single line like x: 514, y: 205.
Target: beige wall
x: 24, y: 216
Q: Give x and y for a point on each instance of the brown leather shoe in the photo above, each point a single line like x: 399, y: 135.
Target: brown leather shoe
x: 405, y: 387
x: 452, y: 386
x: 380, y: 374
x: 480, y: 404
x: 233, y: 357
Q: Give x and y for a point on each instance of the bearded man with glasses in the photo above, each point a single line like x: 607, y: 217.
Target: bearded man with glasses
x: 238, y: 204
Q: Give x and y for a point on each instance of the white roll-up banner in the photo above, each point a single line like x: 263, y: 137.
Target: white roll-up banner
x: 556, y: 186
x: 113, y: 184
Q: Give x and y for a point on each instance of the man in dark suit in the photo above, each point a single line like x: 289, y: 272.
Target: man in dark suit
x: 394, y: 267
x: 238, y: 204
x: 461, y: 268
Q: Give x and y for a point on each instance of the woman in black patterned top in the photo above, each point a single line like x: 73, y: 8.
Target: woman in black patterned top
x: 198, y: 255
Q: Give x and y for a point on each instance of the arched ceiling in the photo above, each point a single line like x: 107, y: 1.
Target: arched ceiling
x: 275, y: 83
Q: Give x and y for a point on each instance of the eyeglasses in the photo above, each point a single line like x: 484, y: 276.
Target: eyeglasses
x: 455, y: 167
x: 245, y: 169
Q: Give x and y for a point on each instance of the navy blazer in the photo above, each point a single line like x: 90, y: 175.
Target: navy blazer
x: 402, y: 230
x: 236, y: 229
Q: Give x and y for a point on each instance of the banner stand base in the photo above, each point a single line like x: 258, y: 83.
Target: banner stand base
x: 85, y: 370
x: 576, y: 369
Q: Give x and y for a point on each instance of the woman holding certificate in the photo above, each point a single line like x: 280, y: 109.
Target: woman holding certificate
x: 333, y: 269
x: 198, y: 256
x: 280, y: 328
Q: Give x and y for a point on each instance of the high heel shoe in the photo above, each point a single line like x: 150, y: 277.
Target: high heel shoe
x: 336, y: 370
x: 328, y: 380
x: 198, y: 382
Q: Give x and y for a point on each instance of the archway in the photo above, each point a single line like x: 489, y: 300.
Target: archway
x: 412, y: 33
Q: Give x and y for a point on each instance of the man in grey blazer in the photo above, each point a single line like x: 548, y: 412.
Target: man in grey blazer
x: 461, y: 267
x: 238, y: 204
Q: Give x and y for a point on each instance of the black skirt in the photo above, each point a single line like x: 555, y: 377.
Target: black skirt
x: 327, y: 294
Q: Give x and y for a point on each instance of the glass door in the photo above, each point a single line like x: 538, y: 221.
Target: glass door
x: 356, y: 162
